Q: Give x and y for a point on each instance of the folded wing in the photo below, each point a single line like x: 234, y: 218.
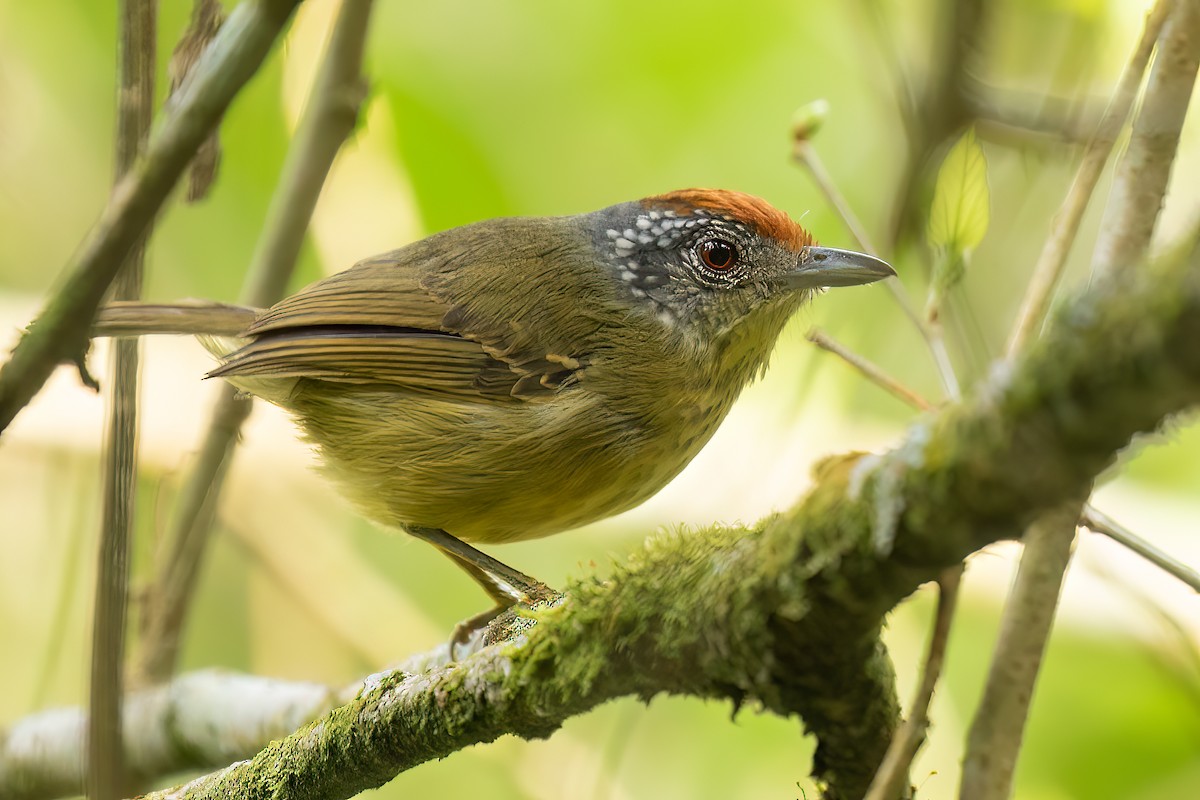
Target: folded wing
x: 378, y: 324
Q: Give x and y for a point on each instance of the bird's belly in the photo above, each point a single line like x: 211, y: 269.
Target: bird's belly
x: 489, y: 473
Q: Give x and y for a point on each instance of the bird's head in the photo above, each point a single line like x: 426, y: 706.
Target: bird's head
x: 711, y: 263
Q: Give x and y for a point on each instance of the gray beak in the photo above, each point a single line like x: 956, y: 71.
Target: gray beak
x: 826, y: 267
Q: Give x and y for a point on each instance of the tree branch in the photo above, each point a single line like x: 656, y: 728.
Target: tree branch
x: 995, y: 738
x: 789, y: 612
x: 1053, y: 259
x: 60, y: 332
x: 1140, y: 184
x: 199, y: 721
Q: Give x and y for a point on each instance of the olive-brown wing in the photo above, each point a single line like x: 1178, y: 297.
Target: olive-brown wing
x: 377, y: 324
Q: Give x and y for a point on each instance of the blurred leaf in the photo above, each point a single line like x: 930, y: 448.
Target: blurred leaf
x: 958, y: 219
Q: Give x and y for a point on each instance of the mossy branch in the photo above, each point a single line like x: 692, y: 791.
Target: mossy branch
x: 788, y: 613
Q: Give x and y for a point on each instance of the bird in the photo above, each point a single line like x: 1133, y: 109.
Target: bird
x: 519, y: 377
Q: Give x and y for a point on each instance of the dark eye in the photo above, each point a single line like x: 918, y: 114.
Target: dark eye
x: 718, y: 254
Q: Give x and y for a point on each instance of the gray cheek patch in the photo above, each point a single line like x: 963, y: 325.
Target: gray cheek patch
x: 640, y: 256
x: 653, y: 230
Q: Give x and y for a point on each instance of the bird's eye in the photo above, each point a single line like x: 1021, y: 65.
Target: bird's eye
x: 718, y: 254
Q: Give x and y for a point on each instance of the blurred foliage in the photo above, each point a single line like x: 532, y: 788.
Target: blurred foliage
x: 481, y: 109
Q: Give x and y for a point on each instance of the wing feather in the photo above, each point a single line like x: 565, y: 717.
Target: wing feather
x: 378, y: 323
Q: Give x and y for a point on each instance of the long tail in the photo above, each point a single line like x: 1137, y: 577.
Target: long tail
x: 216, y: 326
x: 195, y: 318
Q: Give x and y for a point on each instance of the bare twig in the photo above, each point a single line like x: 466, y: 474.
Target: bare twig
x: 1141, y: 180
x: 806, y: 156
x: 60, y: 332
x: 868, y: 369
x: 892, y: 779
x: 330, y: 117
x: 1093, y: 518
x: 135, y: 110
x: 1099, y: 522
x: 1053, y: 258
x: 994, y: 741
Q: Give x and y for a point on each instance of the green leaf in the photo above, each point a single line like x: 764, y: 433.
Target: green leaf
x: 958, y: 219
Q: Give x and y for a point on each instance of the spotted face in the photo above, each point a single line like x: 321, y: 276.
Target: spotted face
x: 701, y: 260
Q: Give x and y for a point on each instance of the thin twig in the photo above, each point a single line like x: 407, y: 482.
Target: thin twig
x: 60, y: 332
x: 994, y: 741
x: 135, y: 110
x: 1142, y: 175
x: 892, y: 778
x: 1093, y: 518
x: 868, y: 369
x: 332, y: 113
x: 806, y: 156
x: 1053, y: 258
x: 1099, y: 522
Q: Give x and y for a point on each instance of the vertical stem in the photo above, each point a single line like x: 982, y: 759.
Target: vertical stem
x: 1053, y: 257
x: 329, y: 118
x: 1141, y: 180
x: 135, y: 107
x: 994, y: 741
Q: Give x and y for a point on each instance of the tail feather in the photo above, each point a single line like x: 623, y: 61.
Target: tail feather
x: 188, y: 317
x: 216, y: 326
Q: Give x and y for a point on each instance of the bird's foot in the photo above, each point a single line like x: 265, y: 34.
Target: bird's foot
x: 515, y: 620
x: 502, y: 622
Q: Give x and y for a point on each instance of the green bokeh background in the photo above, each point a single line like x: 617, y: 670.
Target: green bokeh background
x: 482, y: 109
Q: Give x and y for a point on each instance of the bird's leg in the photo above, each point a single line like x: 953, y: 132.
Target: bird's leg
x: 505, y: 585
x: 504, y: 597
